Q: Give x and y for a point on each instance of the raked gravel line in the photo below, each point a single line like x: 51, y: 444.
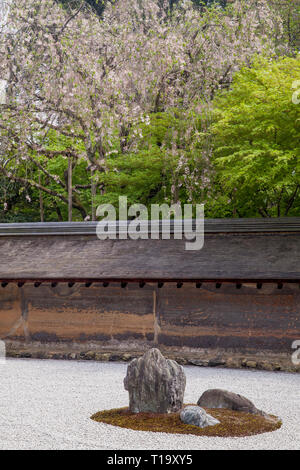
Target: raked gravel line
x: 48, y: 404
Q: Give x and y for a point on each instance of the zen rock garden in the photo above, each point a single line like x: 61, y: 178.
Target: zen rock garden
x: 156, y: 387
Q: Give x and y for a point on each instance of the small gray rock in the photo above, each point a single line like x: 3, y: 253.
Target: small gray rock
x: 216, y: 398
x: 197, y: 416
x: 155, y: 384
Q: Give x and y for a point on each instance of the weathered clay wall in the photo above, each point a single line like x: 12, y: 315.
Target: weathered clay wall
x: 225, y: 318
x: 203, y: 326
x: 76, y: 314
x: 246, y: 318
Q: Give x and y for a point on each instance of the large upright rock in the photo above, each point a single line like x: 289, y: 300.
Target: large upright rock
x: 155, y: 384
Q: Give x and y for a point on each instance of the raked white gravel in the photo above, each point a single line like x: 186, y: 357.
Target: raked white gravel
x: 48, y: 404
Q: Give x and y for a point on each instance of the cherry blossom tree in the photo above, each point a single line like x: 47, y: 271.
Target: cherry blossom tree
x: 79, y: 86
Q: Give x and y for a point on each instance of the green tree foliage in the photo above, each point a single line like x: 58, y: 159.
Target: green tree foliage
x: 14, y: 206
x: 165, y: 132
x: 144, y: 175
x: 289, y: 12
x: 99, y: 5
x: 257, y: 140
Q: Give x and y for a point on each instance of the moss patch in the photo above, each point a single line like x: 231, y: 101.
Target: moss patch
x: 232, y: 423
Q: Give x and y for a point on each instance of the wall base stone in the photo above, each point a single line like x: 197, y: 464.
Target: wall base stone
x: 266, y: 360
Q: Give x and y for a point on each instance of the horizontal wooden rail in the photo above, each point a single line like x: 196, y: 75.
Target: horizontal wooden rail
x: 105, y: 282
x: 288, y: 224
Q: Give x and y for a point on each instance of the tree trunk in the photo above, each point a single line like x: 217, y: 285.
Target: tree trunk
x: 93, y: 191
x: 70, y: 190
x: 42, y: 216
